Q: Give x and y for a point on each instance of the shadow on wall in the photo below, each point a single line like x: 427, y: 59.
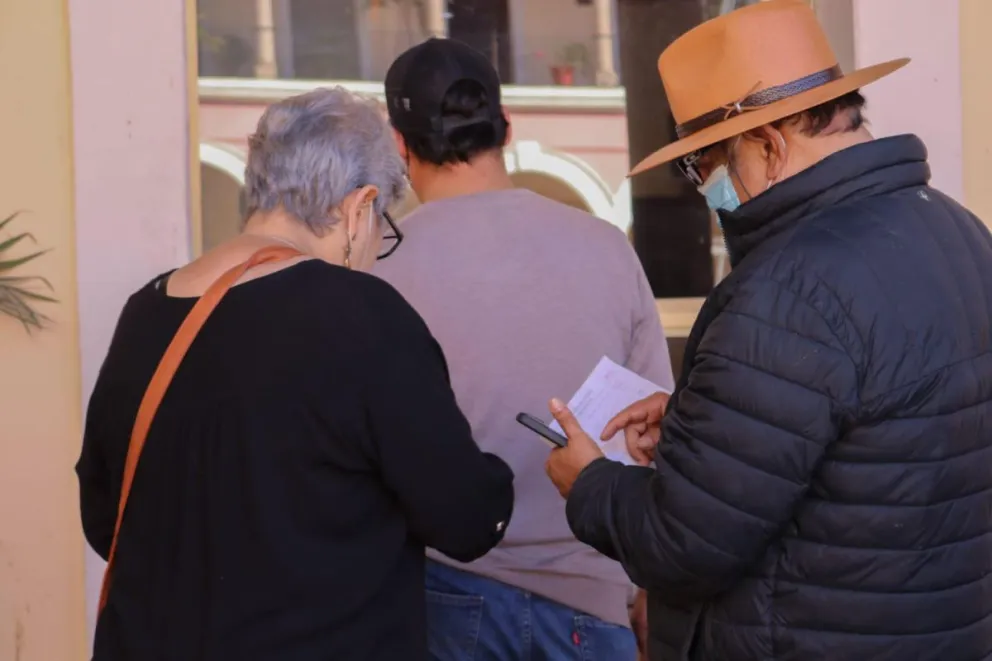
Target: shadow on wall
x: 542, y: 184
x: 551, y: 187
x: 220, y: 205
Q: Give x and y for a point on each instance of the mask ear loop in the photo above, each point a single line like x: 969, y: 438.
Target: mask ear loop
x: 371, y: 227
x: 352, y: 237
x: 732, y: 169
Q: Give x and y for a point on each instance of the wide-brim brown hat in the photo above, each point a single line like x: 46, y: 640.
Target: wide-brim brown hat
x: 747, y: 68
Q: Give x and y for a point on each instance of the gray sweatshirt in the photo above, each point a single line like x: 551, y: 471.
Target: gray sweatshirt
x: 525, y: 295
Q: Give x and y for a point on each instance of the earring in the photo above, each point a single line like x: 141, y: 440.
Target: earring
x: 347, y: 255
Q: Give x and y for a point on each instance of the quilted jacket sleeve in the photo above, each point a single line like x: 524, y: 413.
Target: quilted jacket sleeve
x: 769, y: 389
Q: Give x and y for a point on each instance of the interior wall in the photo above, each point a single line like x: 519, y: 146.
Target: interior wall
x: 388, y: 29
x: 542, y: 30
x: 228, y: 37
x: 42, y: 612
x: 325, y: 40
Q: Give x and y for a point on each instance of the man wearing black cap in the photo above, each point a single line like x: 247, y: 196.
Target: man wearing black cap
x: 525, y: 295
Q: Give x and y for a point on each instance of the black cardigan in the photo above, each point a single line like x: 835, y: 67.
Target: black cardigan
x: 308, y: 449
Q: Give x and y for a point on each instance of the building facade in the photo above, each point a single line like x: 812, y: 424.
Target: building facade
x: 109, y: 140
x: 566, y: 94
x: 560, y: 60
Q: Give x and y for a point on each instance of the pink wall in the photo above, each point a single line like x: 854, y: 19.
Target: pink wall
x: 924, y: 97
x: 131, y: 141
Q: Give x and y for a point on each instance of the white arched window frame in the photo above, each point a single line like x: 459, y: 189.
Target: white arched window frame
x: 530, y: 156
x: 226, y: 159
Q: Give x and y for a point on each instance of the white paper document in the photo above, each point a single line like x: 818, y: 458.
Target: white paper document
x: 608, y: 390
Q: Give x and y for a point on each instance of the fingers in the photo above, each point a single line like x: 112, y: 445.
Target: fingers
x: 628, y: 416
x: 650, y: 409
x: 565, y: 418
x: 637, y: 445
x: 554, y: 472
x: 656, y: 405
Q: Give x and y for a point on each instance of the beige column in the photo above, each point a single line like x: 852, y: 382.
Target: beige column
x: 606, y: 73
x: 265, y: 56
x: 435, y: 18
x: 42, y: 612
x: 976, y: 98
x: 132, y: 102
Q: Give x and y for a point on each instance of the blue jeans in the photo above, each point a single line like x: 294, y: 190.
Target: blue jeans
x: 471, y: 618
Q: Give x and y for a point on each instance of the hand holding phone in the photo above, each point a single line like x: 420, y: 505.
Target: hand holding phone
x: 540, y: 428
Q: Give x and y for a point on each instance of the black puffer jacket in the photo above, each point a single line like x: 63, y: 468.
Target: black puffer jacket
x: 824, y: 485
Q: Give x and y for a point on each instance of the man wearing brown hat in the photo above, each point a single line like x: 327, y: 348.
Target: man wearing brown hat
x: 821, y: 489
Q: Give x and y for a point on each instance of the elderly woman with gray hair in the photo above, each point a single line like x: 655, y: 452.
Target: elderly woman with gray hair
x: 299, y: 442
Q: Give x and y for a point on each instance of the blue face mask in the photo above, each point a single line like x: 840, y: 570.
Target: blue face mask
x: 719, y: 191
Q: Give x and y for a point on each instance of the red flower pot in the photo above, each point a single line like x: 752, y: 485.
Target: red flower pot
x: 563, y: 74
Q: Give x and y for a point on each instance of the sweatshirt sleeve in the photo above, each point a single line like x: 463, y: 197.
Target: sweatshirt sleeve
x: 457, y: 498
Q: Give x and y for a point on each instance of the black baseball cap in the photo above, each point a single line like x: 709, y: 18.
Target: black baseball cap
x: 419, y: 79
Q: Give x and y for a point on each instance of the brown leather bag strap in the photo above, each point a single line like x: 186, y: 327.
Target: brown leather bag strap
x: 166, y: 369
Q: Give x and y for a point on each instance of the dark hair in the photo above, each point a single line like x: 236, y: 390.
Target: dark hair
x: 815, y: 121
x: 464, y: 101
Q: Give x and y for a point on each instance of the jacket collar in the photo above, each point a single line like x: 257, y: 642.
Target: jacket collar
x: 865, y: 170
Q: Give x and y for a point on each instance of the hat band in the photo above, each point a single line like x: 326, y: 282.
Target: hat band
x: 757, y: 100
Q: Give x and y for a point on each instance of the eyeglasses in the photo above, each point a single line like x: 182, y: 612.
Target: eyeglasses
x: 698, y: 165
x: 691, y: 167
x: 391, y: 238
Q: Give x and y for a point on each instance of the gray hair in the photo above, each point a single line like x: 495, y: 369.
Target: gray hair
x: 310, y: 151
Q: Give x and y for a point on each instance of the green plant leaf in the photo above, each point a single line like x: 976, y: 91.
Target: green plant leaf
x: 14, y: 240
x: 34, y: 296
x: 5, y: 221
x: 14, y: 263
x: 16, y: 307
x: 22, y: 279
x: 18, y: 293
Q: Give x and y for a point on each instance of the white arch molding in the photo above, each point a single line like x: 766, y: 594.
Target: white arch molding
x: 523, y: 156
x: 222, y: 171
x: 623, y: 209
x: 530, y: 156
x: 226, y: 159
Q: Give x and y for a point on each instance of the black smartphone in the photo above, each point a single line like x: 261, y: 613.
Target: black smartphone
x: 539, y: 427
